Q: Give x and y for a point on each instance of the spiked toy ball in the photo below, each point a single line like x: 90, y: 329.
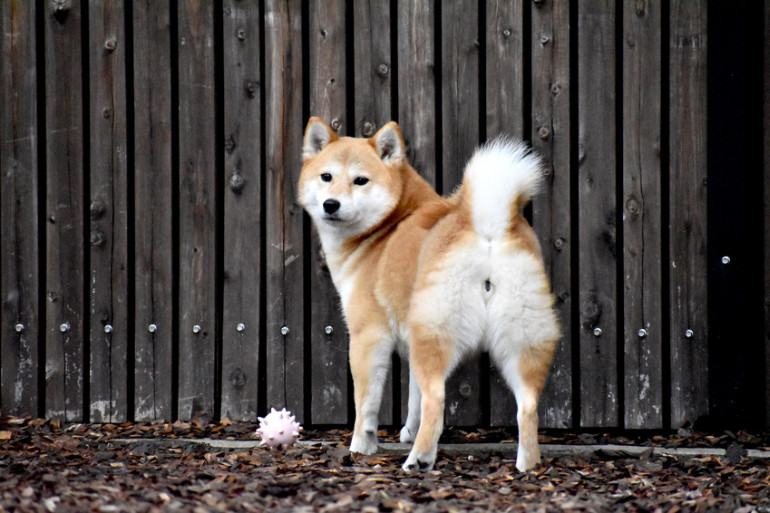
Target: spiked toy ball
x: 278, y: 429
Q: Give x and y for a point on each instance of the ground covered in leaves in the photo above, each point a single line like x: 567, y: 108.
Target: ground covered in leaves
x: 48, y: 467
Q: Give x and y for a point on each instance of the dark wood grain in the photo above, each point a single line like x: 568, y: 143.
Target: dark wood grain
x: 197, y: 210
x: 153, y: 217
x: 642, y: 251
x: 373, y: 81
x: 65, y: 238
x: 460, y: 133
x: 19, y: 226
x: 687, y: 213
x: 285, y: 280
x: 329, y: 358
x: 597, y: 215
x: 242, y: 230
x: 108, y: 188
x: 552, y: 220
x: 504, y: 84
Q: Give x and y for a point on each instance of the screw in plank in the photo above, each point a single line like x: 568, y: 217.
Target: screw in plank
x: 196, y: 329
x: 328, y: 330
x: 383, y: 70
x: 597, y: 332
x: 64, y: 327
x: 642, y: 333
x: 108, y: 328
x: 19, y: 327
x: 111, y: 44
x: 367, y: 130
x: 507, y: 33
x: 152, y: 328
x: 285, y: 330
x: 725, y: 259
x: 241, y: 34
x: 689, y: 334
x: 336, y: 124
x: 240, y: 327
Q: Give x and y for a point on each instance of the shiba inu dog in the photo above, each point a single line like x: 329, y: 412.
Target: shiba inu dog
x: 434, y: 277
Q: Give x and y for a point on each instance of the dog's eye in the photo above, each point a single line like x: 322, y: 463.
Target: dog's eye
x: 326, y: 177
x: 361, y: 180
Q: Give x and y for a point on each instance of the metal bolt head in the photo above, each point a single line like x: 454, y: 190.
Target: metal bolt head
x: 19, y: 327
x: 285, y: 330
x: 64, y: 327
x: 328, y: 330
x: 725, y: 259
x: 689, y: 334
x: 152, y: 328
x: 196, y: 329
x: 240, y: 327
x: 597, y: 332
x: 642, y: 333
x: 108, y: 328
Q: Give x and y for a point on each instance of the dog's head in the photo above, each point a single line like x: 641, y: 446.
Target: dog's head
x: 350, y: 185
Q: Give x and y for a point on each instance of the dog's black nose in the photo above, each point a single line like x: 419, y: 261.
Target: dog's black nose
x: 331, y: 206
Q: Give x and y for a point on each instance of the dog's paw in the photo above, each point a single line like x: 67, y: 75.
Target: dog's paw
x: 419, y: 462
x: 364, y: 443
x: 406, y: 436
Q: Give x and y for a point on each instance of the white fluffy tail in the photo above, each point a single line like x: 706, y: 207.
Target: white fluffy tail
x: 502, y: 177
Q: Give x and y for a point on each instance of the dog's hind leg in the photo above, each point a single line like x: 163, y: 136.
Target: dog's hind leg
x: 430, y: 358
x: 525, y: 372
x: 369, y: 363
x: 412, y: 424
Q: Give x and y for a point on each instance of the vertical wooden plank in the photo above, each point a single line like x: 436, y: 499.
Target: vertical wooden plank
x: 329, y: 359
x: 417, y: 84
x: 504, y: 85
x: 20, y: 330
x: 459, y: 138
x: 65, y: 244
x: 416, y: 96
x: 767, y: 209
x: 552, y: 209
x: 109, y: 213
x: 243, y: 189
x: 372, y: 70
x: 372, y: 67
x: 197, y: 209
x: 285, y: 260
x: 153, y: 237
x: 687, y: 210
x: 643, y: 322
x: 597, y: 213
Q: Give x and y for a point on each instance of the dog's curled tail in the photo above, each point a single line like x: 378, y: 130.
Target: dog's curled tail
x: 500, y: 178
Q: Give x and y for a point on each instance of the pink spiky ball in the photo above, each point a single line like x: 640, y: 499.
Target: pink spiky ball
x: 278, y: 429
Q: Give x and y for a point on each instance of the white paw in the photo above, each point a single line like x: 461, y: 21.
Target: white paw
x: 407, y: 436
x: 365, y: 443
x: 419, y: 462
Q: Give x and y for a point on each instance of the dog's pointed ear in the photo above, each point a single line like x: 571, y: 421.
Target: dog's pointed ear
x: 389, y: 143
x: 317, y: 135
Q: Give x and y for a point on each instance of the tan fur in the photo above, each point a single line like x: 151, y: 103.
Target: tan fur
x: 390, y: 270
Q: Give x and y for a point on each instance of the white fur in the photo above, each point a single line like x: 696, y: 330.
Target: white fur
x: 501, y: 173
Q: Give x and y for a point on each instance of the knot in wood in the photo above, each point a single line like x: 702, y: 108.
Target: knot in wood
x: 237, y: 182
x: 98, y: 208
x: 507, y: 33
x: 111, y: 44
x: 558, y: 243
x: 632, y: 206
x: 545, y: 39
x: 250, y: 87
x: 367, y: 129
x: 539, y: 3
x: 555, y: 88
x: 641, y: 8
x: 383, y: 70
x: 544, y: 132
x: 336, y: 124
x: 241, y: 34
x: 98, y: 238
x: 466, y: 389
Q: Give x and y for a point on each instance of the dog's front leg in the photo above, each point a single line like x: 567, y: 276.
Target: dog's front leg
x: 369, y: 362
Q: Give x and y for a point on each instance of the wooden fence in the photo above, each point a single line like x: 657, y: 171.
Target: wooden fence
x: 156, y: 263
